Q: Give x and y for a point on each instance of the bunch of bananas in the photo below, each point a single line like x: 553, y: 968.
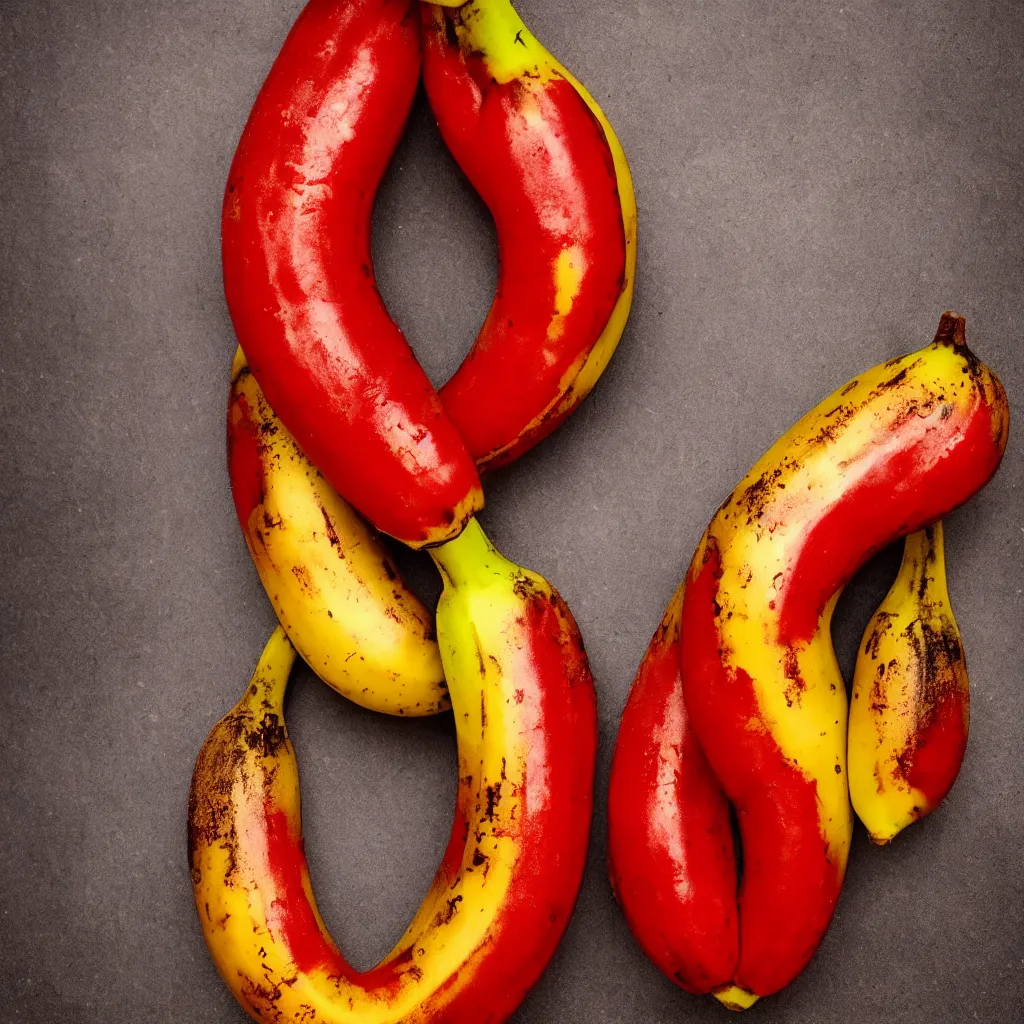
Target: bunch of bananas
x: 739, y: 699
x: 335, y: 433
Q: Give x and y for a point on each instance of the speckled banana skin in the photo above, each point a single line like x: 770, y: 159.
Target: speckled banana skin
x: 333, y: 586
x: 911, y: 700
x: 526, y: 730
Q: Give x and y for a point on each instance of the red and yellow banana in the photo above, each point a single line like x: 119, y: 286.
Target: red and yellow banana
x: 911, y: 699
x: 335, y: 590
x: 544, y: 158
x: 298, y: 274
x: 526, y: 726
x: 890, y: 453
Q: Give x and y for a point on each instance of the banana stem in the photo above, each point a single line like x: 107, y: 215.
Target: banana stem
x: 952, y: 330
x: 494, y: 29
x: 270, y: 680
x: 924, y: 562
x: 469, y: 557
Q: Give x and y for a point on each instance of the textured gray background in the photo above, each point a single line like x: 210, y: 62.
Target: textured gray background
x: 816, y: 183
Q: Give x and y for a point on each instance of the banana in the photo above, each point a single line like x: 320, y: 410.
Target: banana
x: 911, y: 699
x: 888, y: 454
x: 670, y: 846
x: 333, y: 586
x: 526, y: 731
x: 299, y: 278
x: 542, y: 154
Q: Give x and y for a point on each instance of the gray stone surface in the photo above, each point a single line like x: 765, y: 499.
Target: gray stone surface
x: 816, y: 184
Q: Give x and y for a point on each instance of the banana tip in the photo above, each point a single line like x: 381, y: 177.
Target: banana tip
x: 881, y: 839
x: 952, y: 330
x: 732, y: 997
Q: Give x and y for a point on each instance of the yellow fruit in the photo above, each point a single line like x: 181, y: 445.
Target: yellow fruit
x: 911, y: 698
x: 333, y: 586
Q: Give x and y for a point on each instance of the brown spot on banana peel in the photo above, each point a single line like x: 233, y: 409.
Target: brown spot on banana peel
x: 797, y: 685
x: 302, y: 574
x: 332, y: 533
x: 493, y: 799
x: 478, y: 648
x: 883, y: 623
x: 445, y: 915
x: 268, y: 736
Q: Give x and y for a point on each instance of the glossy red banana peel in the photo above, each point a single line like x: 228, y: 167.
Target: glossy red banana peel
x: 299, y: 278
x: 540, y: 160
x: 670, y: 846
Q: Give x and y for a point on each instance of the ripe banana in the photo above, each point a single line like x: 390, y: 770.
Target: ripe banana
x: 911, y: 699
x: 888, y: 454
x: 526, y: 729
x: 333, y: 586
x: 298, y: 271
x: 670, y: 846
x: 543, y: 156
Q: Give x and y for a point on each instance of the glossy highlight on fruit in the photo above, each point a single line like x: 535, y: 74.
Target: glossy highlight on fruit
x: 542, y: 155
x: 911, y: 697
x: 298, y: 274
x: 333, y: 586
x: 888, y: 454
x: 526, y: 731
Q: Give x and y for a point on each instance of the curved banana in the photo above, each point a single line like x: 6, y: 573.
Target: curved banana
x: 526, y: 729
x: 333, y: 586
x: 888, y: 454
x: 911, y: 698
x: 299, y: 279
x: 543, y: 156
x: 670, y: 845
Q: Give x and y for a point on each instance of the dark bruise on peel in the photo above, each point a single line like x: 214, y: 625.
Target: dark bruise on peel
x: 926, y: 686
x: 223, y: 760
x: 268, y: 736
x: 332, y: 533
x: 883, y: 623
x: 210, y: 821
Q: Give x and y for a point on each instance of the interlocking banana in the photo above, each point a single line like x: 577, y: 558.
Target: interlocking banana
x: 332, y: 584
x: 890, y: 453
x: 526, y: 729
x: 543, y: 156
x: 911, y: 698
